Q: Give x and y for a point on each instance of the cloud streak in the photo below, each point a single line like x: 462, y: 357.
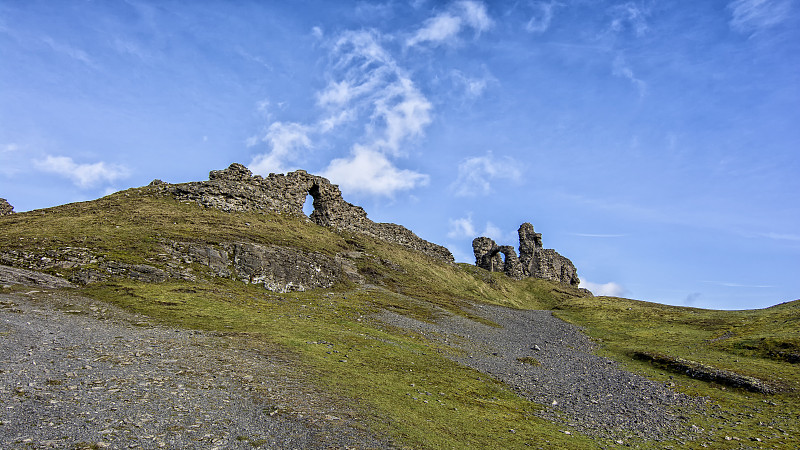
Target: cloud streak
x: 750, y: 16
x: 476, y: 174
x: 541, y: 19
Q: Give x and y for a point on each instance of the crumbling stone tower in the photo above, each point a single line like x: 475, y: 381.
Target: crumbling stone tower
x: 533, y: 261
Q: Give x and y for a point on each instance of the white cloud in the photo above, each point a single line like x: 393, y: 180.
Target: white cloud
x: 82, y: 175
x: 371, y: 172
x: 540, y: 21
x: 445, y: 27
x: 475, y: 174
x: 462, y: 228
x: 621, y: 69
x: 368, y: 83
x: 474, y: 13
x: 610, y: 289
x: 405, y: 113
x: 753, y: 15
x: 287, y: 142
x: 437, y: 29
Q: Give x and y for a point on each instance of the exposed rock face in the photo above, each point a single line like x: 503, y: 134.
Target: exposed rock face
x: 13, y: 275
x: 5, y: 207
x: 282, y: 269
x: 236, y: 189
x: 534, y: 261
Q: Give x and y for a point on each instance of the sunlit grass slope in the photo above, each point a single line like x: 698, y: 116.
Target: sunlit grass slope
x: 404, y: 384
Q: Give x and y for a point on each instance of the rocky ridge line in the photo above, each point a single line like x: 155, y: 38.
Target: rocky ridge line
x: 237, y: 189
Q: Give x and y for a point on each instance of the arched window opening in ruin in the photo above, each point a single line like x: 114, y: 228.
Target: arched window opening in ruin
x: 497, y: 261
x: 312, y: 199
x: 308, y: 205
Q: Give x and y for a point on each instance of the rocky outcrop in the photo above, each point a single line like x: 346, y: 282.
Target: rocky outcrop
x: 533, y: 261
x: 236, y: 189
x: 278, y: 269
x: 5, y: 207
x: 705, y: 372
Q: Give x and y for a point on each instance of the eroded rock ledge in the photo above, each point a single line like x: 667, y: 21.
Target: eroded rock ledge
x: 236, y: 189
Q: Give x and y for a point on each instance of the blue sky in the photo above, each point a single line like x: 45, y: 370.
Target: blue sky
x: 656, y: 144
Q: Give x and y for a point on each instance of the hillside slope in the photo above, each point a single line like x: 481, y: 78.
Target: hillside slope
x: 401, y: 333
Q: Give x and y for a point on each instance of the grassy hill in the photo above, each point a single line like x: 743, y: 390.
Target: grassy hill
x: 349, y: 352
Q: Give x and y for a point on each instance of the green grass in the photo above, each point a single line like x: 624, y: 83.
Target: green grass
x: 419, y: 397
x: 405, y: 385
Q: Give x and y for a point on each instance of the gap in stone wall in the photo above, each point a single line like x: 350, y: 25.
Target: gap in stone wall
x: 308, y: 206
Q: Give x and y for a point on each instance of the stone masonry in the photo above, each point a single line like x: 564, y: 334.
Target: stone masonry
x: 533, y: 261
x: 5, y: 207
x: 236, y: 189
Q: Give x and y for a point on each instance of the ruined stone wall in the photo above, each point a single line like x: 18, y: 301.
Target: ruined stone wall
x: 236, y: 189
x: 534, y: 261
x: 5, y: 207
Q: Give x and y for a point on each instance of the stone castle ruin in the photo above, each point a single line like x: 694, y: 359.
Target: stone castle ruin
x: 533, y: 261
x: 236, y: 189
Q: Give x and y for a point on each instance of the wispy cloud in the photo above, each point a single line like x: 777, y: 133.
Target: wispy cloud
x: 9, y: 148
x: 366, y: 84
x: 470, y: 87
x: 541, y: 18
x: 476, y: 174
x: 631, y: 16
x: 739, y: 285
x: 462, y: 228
x: 750, y: 16
x: 82, y: 175
x: 620, y: 68
x: 445, y: 27
x: 287, y: 141
x: 70, y: 51
x: 609, y: 289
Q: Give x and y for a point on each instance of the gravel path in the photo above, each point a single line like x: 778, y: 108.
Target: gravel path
x: 79, y: 374
x: 551, y: 362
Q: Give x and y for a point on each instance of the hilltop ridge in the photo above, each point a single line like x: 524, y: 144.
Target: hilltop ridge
x: 237, y: 189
